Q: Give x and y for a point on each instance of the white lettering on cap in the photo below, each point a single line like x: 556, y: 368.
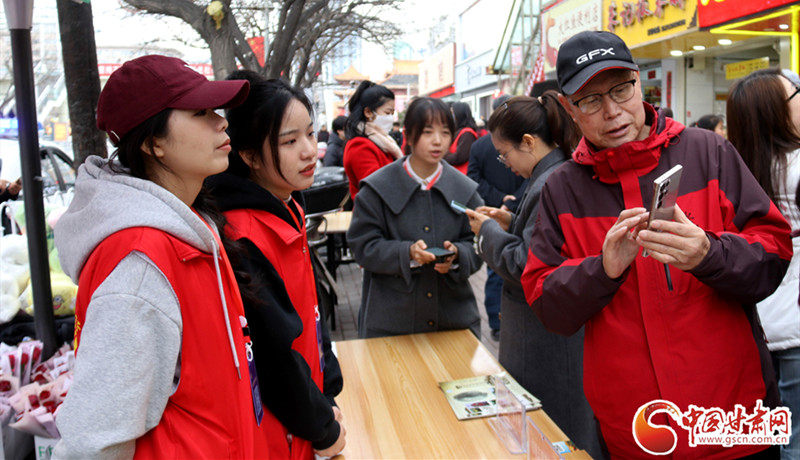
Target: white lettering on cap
x: 591, y: 54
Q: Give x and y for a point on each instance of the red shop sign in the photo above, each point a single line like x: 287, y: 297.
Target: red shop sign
x: 713, y: 12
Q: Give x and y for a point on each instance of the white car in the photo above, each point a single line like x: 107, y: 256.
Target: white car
x: 58, y: 173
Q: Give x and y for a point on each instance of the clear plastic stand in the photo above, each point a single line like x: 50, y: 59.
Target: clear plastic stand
x: 538, y: 445
x: 509, y: 423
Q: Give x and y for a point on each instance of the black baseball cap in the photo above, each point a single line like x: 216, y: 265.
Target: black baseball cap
x: 586, y: 54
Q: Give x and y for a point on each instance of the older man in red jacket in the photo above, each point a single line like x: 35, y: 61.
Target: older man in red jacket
x: 695, y: 341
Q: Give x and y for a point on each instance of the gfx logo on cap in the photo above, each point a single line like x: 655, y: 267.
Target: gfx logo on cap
x: 591, y: 54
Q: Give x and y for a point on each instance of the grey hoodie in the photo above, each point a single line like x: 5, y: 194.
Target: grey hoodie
x: 129, y: 359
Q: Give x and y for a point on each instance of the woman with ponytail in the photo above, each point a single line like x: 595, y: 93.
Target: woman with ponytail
x: 369, y: 146
x: 533, y: 136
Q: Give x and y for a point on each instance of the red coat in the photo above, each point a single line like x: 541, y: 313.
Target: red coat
x: 698, y: 344
x: 462, y: 154
x: 287, y: 250
x: 210, y: 415
x: 362, y: 157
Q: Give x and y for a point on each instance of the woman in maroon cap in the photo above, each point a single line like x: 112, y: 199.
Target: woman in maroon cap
x: 161, y: 340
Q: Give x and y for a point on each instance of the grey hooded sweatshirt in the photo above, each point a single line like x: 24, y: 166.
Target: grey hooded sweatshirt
x: 129, y: 359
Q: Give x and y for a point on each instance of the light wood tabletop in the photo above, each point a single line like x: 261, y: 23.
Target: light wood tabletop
x: 337, y: 222
x: 393, y: 407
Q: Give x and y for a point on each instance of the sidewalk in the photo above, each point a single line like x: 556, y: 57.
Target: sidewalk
x: 349, y: 280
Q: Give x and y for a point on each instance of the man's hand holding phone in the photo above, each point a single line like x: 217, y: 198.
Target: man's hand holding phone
x: 679, y: 243
x: 621, y: 246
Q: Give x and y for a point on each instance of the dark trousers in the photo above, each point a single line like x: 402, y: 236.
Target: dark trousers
x: 492, y: 292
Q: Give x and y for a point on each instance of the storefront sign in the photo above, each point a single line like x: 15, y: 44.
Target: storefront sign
x: 472, y: 74
x: 566, y: 19
x: 438, y: 71
x: 713, y: 12
x: 640, y: 21
x: 744, y: 68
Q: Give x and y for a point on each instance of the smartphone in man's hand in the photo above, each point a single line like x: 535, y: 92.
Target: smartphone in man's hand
x: 665, y: 194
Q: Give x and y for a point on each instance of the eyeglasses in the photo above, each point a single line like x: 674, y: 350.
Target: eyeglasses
x: 620, y: 93
x: 796, y: 90
x: 502, y: 158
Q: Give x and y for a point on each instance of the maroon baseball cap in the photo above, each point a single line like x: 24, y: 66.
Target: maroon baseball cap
x: 145, y: 86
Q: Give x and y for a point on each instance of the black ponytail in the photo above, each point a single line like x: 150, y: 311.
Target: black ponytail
x: 543, y: 117
x: 367, y: 95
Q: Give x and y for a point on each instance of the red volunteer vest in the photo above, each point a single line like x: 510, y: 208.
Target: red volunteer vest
x: 287, y: 250
x: 463, y: 166
x: 210, y: 415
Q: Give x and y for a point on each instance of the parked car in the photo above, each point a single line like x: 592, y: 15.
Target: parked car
x: 58, y: 173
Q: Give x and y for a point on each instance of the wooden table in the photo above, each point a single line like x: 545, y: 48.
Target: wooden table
x: 335, y: 223
x: 393, y: 407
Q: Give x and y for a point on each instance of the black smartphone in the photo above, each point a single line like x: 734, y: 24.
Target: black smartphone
x: 440, y: 253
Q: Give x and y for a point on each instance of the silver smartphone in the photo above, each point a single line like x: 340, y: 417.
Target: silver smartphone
x: 665, y: 194
x: 458, y: 207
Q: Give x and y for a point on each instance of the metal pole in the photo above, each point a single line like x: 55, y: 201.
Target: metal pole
x: 19, y: 14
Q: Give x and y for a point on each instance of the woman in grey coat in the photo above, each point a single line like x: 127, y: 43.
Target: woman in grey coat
x: 533, y: 137
x: 401, y: 213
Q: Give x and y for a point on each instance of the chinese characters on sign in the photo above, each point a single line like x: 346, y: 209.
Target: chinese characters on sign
x: 565, y: 20
x: 627, y: 15
x: 743, y: 68
x: 578, y: 20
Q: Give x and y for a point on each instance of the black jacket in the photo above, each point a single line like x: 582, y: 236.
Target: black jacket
x: 494, y: 179
x: 287, y: 388
x: 334, y: 153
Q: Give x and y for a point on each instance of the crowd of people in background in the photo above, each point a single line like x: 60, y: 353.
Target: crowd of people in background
x: 190, y: 250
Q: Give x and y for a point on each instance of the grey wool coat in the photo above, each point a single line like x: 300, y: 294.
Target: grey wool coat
x: 391, y: 212
x: 546, y: 364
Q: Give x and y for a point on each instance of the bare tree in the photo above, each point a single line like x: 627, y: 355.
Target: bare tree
x: 81, y: 77
x: 305, y: 30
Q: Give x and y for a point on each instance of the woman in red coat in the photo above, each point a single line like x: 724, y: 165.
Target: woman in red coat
x: 369, y: 146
